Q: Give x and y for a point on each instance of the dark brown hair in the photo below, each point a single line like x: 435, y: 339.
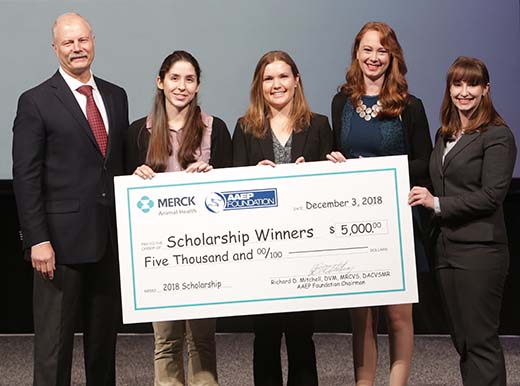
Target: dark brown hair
x: 474, y: 72
x: 256, y: 119
x: 394, y: 93
x: 160, y: 147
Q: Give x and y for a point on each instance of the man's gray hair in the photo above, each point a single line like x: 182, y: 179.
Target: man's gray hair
x: 66, y: 15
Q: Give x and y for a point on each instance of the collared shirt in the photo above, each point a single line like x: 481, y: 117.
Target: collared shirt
x: 73, y: 84
x: 450, y: 145
x: 447, y: 147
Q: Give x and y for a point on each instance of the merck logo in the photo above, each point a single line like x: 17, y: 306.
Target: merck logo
x: 145, y: 204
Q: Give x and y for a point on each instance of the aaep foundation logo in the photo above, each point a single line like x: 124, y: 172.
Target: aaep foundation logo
x: 145, y: 204
x: 241, y: 199
x: 215, y: 202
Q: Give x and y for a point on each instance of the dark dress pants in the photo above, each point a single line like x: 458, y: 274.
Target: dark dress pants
x: 87, y: 290
x: 471, y: 280
x: 298, y: 329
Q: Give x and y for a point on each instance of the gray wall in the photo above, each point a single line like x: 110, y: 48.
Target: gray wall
x: 229, y: 36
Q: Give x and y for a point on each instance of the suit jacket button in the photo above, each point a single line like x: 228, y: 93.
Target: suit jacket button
x: 103, y: 194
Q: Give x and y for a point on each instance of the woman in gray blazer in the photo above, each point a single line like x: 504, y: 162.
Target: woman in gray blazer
x: 471, y: 168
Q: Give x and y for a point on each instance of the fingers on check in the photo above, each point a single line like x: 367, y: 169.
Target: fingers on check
x: 267, y: 162
x: 199, y: 167
x: 331, y: 158
x: 417, y: 195
x: 336, y: 156
x: 204, y: 167
x: 144, y: 172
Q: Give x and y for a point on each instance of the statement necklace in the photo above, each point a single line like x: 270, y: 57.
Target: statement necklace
x: 367, y: 113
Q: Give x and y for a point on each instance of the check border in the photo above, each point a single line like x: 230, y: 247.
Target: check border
x: 402, y: 289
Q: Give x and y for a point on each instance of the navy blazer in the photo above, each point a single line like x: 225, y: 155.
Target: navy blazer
x: 313, y: 143
x: 62, y: 183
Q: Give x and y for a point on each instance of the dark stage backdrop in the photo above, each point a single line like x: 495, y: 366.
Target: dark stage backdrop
x: 16, y: 276
x: 229, y: 36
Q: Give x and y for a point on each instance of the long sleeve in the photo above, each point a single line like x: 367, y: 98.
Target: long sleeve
x: 498, y: 158
x: 338, y: 103
x: 28, y: 161
x: 325, y: 134
x: 136, y: 145
x: 419, y: 143
x: 240, y: 148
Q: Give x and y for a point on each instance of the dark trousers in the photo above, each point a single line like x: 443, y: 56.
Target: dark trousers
x: 298, y: 328
x: 471, y: 286
x: 92, y: 291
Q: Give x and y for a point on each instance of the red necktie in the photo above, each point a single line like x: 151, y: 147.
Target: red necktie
x: 94, y: 119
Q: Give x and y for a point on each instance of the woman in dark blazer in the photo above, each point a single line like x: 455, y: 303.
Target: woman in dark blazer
x: 310, y: 144
x: 279, y: 127
x: 471, y: 168
x: 374, y: 115
x: 178, y: 136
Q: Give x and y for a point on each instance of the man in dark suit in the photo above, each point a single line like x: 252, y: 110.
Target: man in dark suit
x: 68, y: 140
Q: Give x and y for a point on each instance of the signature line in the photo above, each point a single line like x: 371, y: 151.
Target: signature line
x: 328, y: 250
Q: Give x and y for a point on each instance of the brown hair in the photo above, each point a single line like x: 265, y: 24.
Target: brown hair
x: 474, y: 72
x: 256, y: 118
x: 160, y: 147
x: 394, y: 93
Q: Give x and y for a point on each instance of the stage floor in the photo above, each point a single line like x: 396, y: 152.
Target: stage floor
x: 435, y: 361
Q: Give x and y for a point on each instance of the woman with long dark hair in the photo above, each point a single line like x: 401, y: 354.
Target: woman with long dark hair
x: 471, y: 169
x: 177, y: 136
x: 277, y: 128
x: 374, y: 115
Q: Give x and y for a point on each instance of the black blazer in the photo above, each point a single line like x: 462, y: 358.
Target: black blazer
x: 138, y: 136
x: 313, y: 143
x: 62, y: 183
x: 473, y: 183
x: 418, y: 142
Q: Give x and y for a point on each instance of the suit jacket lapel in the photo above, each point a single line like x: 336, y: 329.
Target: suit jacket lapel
x: 437, y: 154
x: 266, y: 144
x: 64, y: 94
x: 464, y: 141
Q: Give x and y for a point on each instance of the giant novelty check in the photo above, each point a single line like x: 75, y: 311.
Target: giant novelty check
x: 259, y: 239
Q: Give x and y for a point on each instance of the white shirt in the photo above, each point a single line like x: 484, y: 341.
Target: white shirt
x: 73, y: 84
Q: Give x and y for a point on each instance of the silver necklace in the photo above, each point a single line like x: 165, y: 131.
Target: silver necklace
x: 367, y: 113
